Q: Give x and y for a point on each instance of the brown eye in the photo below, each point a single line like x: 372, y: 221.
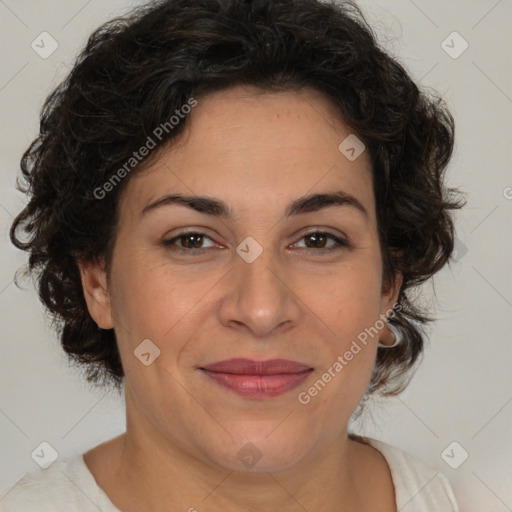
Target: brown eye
x: 192, y: 241
x: 188, y: 242
x: 318, y: 240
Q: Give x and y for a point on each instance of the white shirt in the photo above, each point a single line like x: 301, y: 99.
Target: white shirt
x: 70, y: 487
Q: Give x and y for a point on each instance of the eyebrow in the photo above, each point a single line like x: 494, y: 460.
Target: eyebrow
x: 218, y: 208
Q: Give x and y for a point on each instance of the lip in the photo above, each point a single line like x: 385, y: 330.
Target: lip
x: 258, y: 379
x: 243, y: 366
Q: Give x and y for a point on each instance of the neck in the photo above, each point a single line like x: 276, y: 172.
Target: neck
x: 153, y: 473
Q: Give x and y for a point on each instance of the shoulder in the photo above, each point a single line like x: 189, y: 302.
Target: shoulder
x: 62, y: 486
x: 417, y: 486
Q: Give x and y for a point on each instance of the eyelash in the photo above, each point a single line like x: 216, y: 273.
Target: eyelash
x: 340, y: 243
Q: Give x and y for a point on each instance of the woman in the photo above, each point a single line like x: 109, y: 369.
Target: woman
x: 230, y: 202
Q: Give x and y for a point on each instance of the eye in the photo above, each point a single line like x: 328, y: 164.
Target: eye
x: 192, y: 242
x: 189, y: 242
x: 318, y: 240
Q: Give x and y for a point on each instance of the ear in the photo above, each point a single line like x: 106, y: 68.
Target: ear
x: 390, y: 293
x: 97, y: 297
x: 389, y: 299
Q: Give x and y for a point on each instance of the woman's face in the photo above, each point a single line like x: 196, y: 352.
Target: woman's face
x: 264, y: 280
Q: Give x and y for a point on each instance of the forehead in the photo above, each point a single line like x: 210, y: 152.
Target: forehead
x: 243, y: 143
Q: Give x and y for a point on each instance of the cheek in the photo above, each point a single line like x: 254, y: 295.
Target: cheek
x: 153, y: 300
x: 347, y: 298
x: 159, y: 301
x: 349, y: 306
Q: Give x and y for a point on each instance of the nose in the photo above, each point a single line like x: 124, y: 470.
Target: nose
x: 260, y: 297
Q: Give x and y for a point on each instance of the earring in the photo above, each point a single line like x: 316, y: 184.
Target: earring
x: 398, y: 337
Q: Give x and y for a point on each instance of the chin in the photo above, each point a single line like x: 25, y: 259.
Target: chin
x: 258, y: 453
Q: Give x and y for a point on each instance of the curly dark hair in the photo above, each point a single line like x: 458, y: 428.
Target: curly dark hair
x: 137, y: 71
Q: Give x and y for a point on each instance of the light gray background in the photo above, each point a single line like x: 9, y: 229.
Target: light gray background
x: 462, y: 391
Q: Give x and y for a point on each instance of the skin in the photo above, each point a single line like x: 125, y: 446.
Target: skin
x: 257, y: 153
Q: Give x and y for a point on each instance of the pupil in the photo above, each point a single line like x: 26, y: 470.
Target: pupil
x: 316, y: 236
x: 194, y: 245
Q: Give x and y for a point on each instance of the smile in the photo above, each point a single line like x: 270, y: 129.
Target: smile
x: 258, y: 386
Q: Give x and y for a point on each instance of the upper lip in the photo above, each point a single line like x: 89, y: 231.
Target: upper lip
x: 242, y: 366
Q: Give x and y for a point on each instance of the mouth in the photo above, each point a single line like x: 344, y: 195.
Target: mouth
x: 258, y: 379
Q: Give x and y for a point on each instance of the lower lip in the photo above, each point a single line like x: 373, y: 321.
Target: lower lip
x: 259, y: 386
